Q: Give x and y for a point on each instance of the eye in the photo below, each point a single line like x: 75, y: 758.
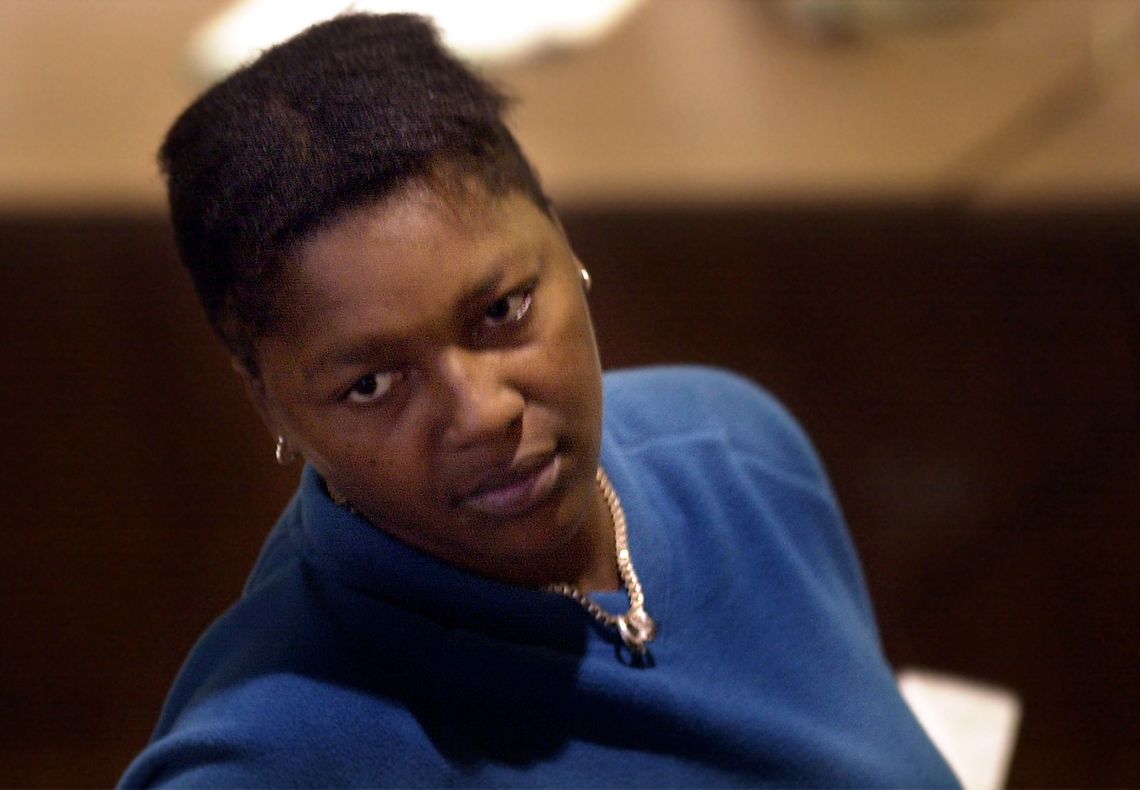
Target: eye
x: 508, y: 309
x: 370, y: 388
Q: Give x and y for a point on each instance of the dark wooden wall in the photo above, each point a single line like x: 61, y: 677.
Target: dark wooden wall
x: 972, y: 382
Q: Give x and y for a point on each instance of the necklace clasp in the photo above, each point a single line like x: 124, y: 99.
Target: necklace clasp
x: 637, y: 629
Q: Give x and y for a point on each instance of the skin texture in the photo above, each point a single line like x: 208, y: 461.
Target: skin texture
x: 478, y: 441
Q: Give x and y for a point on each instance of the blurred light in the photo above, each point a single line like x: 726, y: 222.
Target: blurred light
x: 481, y: 31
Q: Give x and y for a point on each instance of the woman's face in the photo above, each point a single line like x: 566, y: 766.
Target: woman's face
x: 436, y: 364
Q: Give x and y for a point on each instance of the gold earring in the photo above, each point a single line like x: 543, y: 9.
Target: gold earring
x: 284, y: 453
x: 586, y: 281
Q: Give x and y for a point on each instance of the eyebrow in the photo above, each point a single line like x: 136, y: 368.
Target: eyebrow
x: 360, y: 350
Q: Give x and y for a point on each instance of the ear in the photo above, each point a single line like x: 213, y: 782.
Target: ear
x: 557, y: 222
x: 255, y: 388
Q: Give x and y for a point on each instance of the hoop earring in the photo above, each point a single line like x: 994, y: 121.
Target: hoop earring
x: 587, y: 281
x: 283, y: 452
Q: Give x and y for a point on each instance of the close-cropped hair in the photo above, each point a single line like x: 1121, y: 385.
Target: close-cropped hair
x: 343, y: 114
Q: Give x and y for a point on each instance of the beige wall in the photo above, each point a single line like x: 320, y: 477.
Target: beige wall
x: 712, y: 100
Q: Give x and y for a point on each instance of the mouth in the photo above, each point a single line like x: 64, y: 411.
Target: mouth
x: 514, y: 492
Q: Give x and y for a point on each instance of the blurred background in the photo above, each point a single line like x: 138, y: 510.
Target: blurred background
x: 915, y: 222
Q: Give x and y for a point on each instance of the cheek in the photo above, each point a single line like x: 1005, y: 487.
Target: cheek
x: 375, y: 455
x: 571, y: 330
x: 383, y: 478
x: 570, y: 361
x: 349, y: 454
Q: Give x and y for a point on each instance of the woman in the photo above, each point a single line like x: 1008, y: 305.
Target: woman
x: 453, y: 596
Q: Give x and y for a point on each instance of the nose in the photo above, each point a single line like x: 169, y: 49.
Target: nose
x: 481, y: 405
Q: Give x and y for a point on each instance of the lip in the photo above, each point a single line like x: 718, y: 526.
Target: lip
x: 515, y: 491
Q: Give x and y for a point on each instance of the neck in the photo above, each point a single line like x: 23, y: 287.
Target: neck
x: 587, y: 561
x: 600, y: 572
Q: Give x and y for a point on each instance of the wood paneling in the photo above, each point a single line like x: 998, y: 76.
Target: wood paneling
x: 971, y: 380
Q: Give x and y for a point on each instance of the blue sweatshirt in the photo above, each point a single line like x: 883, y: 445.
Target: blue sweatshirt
x: 354, y: 660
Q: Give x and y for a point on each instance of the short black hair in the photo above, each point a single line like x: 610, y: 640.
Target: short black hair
x: 343, y: 114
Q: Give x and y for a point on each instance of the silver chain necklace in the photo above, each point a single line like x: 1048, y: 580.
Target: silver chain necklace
x: 635, y: 627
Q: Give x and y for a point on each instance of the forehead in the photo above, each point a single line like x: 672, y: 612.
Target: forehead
x: 391, y: 265
x: 418, y: 218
